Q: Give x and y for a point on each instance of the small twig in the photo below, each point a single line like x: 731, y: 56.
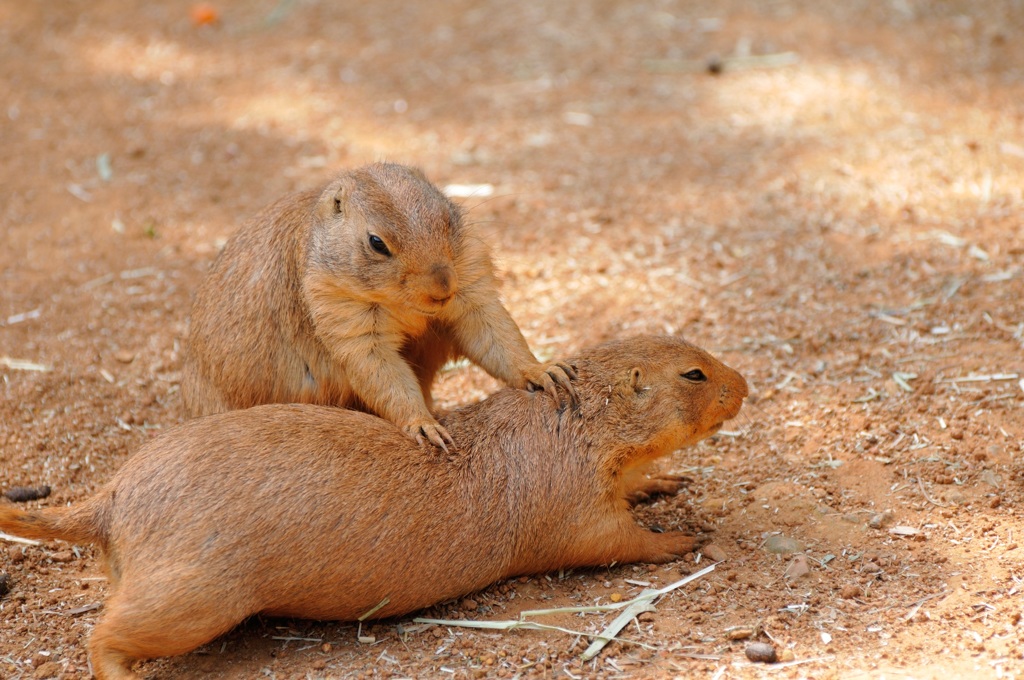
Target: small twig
x: 637, y: 605
x: 373, y: 611
x: 889, y: 319
x: 521, y: 625
x: 23, y: 316
x: 901, y: 379
x: 984, y: 378
x: 76, y: 611
x: 79, y: 192
x: 620, y: 622
x: 928, y: 498
x: 18, y: 539
x: 99, y: 281
x: 917, y: 605
x: 22, y: 364
x: 619, y: 605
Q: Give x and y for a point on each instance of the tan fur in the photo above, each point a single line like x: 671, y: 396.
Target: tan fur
x: 307, y: 511
x: 299, y: 307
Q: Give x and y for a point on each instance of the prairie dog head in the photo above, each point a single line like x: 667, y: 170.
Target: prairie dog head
x: 389, y: 236
x: 657, y: 394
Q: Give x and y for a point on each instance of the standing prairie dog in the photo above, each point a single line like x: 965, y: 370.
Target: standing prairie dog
x: 325, y: 513
x: 354, y: 295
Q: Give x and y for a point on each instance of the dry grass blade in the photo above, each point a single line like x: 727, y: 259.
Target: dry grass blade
x: 928, y: 498
x: 521, y: 625
x: 901, y: 379
x: 641, y: 603
x: 18, y: 539
x: 22, y: 364
x: 645, y: 596
x: 994, y: 377
x: 638, y: 607
x: 373, y: 611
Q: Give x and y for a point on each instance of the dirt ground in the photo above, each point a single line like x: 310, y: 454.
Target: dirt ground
x: 826, y: 195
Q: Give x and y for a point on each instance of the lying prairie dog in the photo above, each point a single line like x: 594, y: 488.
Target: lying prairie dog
x: 354, y: 294
x: 323, y: 513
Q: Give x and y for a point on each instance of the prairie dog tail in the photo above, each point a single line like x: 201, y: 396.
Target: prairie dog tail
x: 75, y: 525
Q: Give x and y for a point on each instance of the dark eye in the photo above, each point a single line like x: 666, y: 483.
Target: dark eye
x: 377, y: 243
x: 696, y: 375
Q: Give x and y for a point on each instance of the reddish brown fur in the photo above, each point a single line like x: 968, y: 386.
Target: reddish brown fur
x: 321, y: 513
x: 299, y: 308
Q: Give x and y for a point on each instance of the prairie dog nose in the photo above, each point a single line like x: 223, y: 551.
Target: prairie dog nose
x: 444, y: 283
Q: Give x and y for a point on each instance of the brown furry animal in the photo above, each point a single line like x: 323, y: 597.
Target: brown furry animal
x: 354, y: 295
x: 308, y: 511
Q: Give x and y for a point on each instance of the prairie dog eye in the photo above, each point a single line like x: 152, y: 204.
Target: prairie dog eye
x: 377, y: 243
x: 696, y: 375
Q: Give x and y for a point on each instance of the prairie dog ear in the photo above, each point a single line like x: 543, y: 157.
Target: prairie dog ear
x: 335, y: 199
x: 635, y: 379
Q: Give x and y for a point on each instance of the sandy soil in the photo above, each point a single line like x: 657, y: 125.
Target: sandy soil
x: 840, y: 220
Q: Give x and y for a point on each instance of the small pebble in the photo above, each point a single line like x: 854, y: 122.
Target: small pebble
x: 783, y: 545
x: 715, y: 553
x: 615, y: 597
x: 760, y: 652
x: 879, y: 519
x: 47, y: 669
x: 991, y: 478
x: 741, y: 632
x: 715, y: 506
x: 62, y: 557
x: 797, y: 568
x: 469, y: 605
x: 22, y: 494
x: 786, y: 655
x: 850, y: 591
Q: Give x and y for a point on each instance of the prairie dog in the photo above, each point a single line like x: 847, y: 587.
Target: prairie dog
x: 330, y: 511
x: 354, y: 294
